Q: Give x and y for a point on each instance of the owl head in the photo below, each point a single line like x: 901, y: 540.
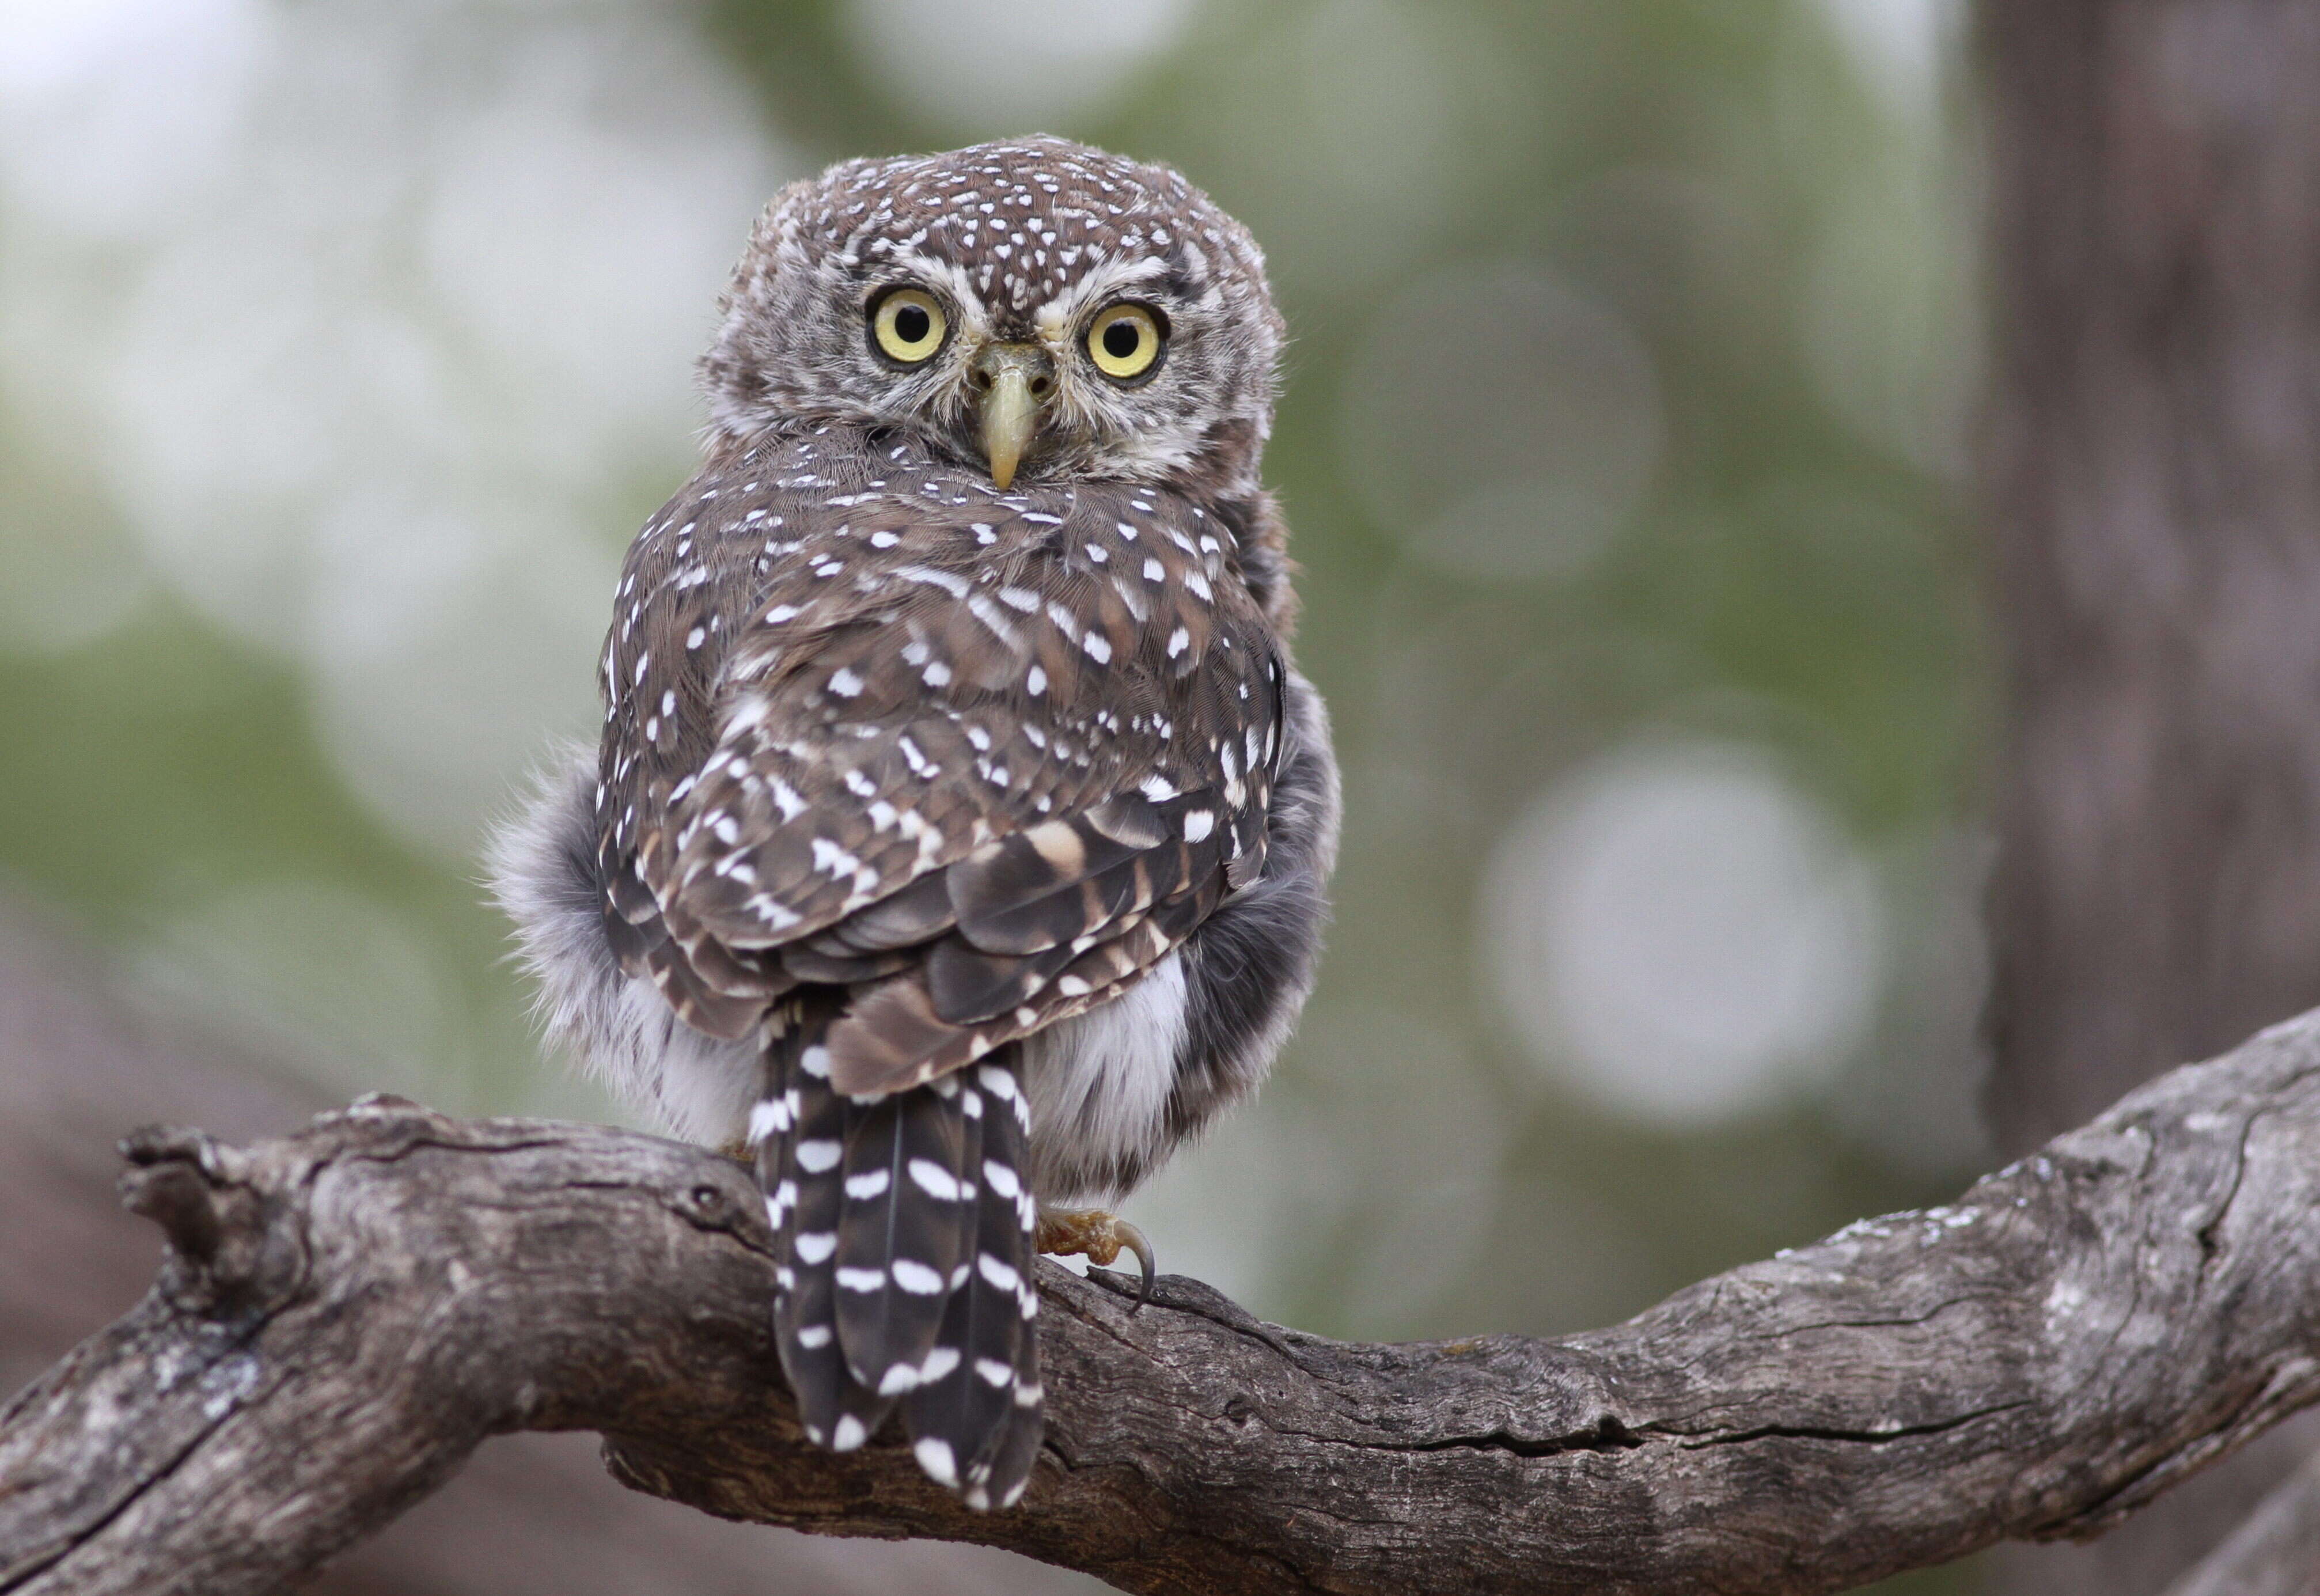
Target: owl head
x: 1039, y: 309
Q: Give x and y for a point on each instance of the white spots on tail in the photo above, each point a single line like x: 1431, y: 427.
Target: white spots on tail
x: 936, y: 1182
x: 934, y: 1456
x: 916, y: 1278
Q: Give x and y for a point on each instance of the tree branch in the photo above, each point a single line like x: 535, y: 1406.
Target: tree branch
x: 344, y: 1314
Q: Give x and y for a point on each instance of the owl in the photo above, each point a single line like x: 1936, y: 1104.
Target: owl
x: 956, y: 843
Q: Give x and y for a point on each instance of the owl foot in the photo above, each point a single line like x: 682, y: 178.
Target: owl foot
x: 1097, y: 1236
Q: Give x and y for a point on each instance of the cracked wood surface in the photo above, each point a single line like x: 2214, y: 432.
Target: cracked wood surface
x: 529, y: 1515
x: 344, y: 1314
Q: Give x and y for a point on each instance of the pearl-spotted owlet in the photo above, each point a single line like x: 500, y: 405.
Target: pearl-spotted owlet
x: 957, y: 840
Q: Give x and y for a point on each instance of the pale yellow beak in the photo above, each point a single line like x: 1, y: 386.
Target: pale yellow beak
x: 1015, y: 380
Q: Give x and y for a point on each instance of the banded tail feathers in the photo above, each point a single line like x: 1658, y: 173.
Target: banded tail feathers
x: 902, y: 1228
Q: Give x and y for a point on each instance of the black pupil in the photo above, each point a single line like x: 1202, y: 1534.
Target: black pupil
x: 911, y: 323
x: 1122, y: 338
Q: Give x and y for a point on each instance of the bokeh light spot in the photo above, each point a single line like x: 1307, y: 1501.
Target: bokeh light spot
x: 1006, y: 66
x: 1681, y: 934
x: 380, y: 380
x: 1900, y: 47
x: 117, y: 115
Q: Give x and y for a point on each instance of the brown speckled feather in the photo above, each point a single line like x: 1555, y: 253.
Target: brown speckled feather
x: 959, y: 850
x: 980, y: 758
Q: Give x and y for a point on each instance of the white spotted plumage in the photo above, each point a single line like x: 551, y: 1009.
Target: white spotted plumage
x: 970, y: 838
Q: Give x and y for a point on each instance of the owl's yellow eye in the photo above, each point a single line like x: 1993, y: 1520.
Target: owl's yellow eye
x: 1125, y: 342
x: 909, y: 325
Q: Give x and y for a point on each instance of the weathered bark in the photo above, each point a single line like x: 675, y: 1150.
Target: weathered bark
x: 2154, y: 483
x: 533, y: 1515
x: 344, y: 1314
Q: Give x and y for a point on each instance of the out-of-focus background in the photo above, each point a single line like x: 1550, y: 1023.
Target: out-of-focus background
x: 343, y: 345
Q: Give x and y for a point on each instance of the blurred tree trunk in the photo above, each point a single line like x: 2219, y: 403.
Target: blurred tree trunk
x: 2153, y: 478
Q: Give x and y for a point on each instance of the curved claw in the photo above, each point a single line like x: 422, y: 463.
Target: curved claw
x: 1098, y: 1236
x: 1133, y: 1240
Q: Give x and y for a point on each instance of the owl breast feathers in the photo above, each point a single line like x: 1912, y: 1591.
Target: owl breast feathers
x: 959, y: 832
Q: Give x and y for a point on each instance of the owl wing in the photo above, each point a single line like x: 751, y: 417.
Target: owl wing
x: 979, y: 761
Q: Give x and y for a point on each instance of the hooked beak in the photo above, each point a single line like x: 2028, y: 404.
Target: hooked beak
x: 1015, y: 380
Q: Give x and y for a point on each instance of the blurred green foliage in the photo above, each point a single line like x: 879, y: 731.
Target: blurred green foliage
x: 1791, y: 249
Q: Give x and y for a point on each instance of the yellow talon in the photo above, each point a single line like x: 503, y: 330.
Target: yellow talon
x: 1096, y: 1236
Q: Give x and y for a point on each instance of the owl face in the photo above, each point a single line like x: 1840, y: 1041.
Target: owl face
x: 1041, y: 309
